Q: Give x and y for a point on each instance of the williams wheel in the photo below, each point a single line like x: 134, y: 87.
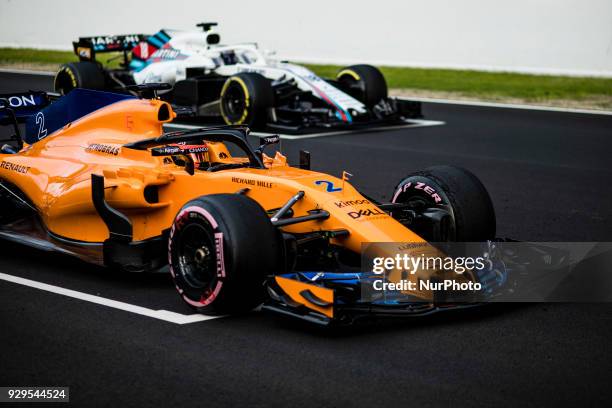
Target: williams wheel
x: 221, y: 248
x: 457, y: 191
x: 364, y: 82
x: 245, y: 99
x: 79, y: 75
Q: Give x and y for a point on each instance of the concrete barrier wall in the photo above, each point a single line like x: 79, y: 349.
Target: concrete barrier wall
x: 572, y: 37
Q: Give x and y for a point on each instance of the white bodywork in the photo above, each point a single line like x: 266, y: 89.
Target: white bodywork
x: 189, y: 49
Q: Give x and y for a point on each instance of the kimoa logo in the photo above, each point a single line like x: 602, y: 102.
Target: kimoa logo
x: 368, y: 212
x: 350, y: 203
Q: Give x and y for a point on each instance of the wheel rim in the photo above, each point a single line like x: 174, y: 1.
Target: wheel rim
x: 63, y: 83
x: 234, y: 102
x: 196, y: 258
x: 354, y: 87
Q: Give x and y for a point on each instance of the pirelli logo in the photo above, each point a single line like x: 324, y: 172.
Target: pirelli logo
x: 14, y: 167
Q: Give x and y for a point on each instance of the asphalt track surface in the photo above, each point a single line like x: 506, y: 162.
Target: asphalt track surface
x: 549, y: 176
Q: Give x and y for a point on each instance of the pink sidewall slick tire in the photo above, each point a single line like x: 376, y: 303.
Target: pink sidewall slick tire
x: 221, y: 248
x: 459, y: 192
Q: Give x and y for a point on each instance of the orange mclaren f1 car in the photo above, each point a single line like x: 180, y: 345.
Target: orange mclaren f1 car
x: 94, y: 175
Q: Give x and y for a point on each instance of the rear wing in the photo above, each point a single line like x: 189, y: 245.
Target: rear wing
x: 19, y: 106
x: 44, y: 112
x: 86, y: 48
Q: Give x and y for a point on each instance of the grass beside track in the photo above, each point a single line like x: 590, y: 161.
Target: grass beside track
x: 461, y: 84
x: 33, y: 56
x: 485, y: 84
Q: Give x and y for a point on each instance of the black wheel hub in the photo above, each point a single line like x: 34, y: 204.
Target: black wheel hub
x: 196, y: 256
x: 234, y: 102
x: 353, y: 87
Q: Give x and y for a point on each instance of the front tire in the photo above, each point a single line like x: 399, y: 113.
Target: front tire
x: 459, y: 192
x: 245, y: 99
x: 82, y: 74
x: 364, y: 82
x: 221, y: 248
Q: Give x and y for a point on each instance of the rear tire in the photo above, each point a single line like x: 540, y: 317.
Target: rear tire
x: 364, y: 82
x: 245, y: 99
x: 457, y: 190
x: 82, y: 74
x: 221, y: 248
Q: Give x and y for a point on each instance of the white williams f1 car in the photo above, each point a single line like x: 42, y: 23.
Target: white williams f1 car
x: 238, y: 83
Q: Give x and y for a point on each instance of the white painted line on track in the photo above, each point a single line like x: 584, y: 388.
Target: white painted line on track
x: 418, y: 99
x: 509, y: 106
x: 413, y: 123
x: 27, y: 72
x: 164, y: 315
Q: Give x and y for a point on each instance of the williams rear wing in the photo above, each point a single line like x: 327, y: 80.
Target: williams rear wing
x: 86, y: 48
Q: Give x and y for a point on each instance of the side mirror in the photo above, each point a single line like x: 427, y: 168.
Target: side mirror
x: 266, y: 141
x: 304, y: 160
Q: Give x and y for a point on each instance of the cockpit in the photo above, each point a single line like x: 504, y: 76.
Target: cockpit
x: 211, y: 149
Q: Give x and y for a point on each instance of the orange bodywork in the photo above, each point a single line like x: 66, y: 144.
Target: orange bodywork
x: 55, y: 175
x: 296, y: 291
